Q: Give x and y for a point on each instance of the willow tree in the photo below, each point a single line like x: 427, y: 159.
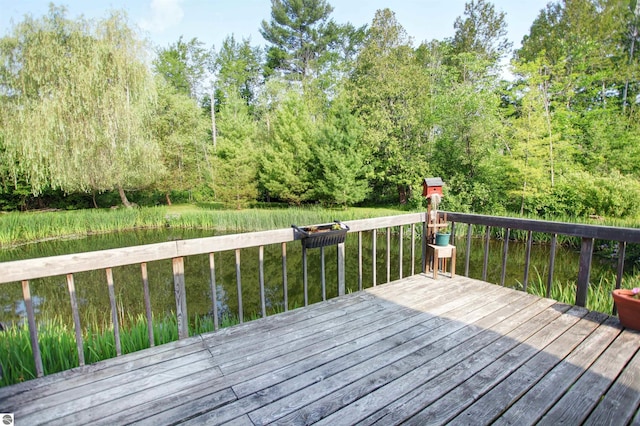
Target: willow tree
x: 77, y: 98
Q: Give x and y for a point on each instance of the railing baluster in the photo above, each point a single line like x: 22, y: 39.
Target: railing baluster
x: 388, y: 258
x: 214, y: 290
x: 485, y: 263
x: 552, y: 262
x: 263, y: 302
x: 413, y: 249
x: 360, y: 260
x: 374, y: 249
x: 304, y: 276
x: 76, y: 318
x: 401, y: 249
x: 323, y: 283
x: 505, y: 250
x: 527, y: 261
x: 468, y: 250
x: 33, y: 329
x: 622, y: 251
x: 424, y: 245
x: 341, y: 271
x: 285, y: 291
x: 114, y: 311
x: 239, y: 287
x: 147, y: 302
x: 181, y: 297
x: 584, y: 270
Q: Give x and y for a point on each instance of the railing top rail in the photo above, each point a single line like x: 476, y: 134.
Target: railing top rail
x: 30, y: 269
x: 612, y: 233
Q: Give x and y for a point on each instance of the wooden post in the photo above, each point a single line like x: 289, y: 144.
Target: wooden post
x: 114, y: 311
x: 341, y: 275
x: 76, y: 318
x: 239, y: 287
x: 622, y: 250
x: 400, y: 260
x: 505, y: 250
x: 304, y: 276
x: 33, y: 329
x: 360, y: 260
x: 181, y: 297
x: 468, y: 250
x: 284, y: 277
x: 147, y: 302
x: 214, y: 290
x: 527, y: 261
x: 485, y: 263
x: 263, y: 302
x: 323, y: 281
x: 584, y: 270
x: 413, y: 249
x: 374, y: 249
x: 552, y: 263
x: 388, y: 256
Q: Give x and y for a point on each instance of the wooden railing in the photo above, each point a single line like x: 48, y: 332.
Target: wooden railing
x: 587, y: 233
x: 67, y: 265
x: 25, y: 271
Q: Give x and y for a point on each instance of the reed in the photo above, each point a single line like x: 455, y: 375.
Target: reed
x: 17, y: 228
x: 58, y: 344
x: 598, y: 297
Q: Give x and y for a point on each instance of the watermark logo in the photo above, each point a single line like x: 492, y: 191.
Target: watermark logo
x: 7, y: 419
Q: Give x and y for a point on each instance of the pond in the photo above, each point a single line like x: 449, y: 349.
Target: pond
x: 51, y: 298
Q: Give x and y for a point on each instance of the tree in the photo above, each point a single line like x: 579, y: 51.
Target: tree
x: 285, y: 167
x: 184, y: 66
x: 180, y: 128
x: 238, y: 69
x: 236, y: 158
x: 301, y: 35
x: 390, y: 95
x: 77, y: 99
x: 482, y: 32
x: 341, y: 166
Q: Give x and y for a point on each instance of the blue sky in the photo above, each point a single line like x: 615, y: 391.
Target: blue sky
x: 164, y: 21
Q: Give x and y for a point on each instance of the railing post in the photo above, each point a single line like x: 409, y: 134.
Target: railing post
x: 468, y: 250
x: 239, y: 287
x: 33, y: 329
x: 285, y: 291
x: 181, y: 297
x: 552, y: 263
x: 76, y: 318
x: 341, y: 275
x: 114, y: 311
x: 622, y: 251
x: 505, y: 251
x: 582, y: 289
x: 147, y: 303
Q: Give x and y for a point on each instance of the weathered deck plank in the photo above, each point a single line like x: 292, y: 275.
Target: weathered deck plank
x: 416, y: 351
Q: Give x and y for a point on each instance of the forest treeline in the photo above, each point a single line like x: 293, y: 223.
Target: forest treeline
x: 328, y: 113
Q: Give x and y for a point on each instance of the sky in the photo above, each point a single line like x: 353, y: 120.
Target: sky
x: 211, y: 21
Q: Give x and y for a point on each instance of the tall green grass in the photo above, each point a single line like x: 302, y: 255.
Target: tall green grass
x: 17, y: 227
x: 598, y: 296
x: 58, y: 344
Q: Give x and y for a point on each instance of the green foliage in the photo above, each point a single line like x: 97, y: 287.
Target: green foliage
x: 285, y: 167
x: 76, y: 93
x: 341, y: 169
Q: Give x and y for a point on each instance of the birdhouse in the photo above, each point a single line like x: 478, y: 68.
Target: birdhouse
x: 432, y: 186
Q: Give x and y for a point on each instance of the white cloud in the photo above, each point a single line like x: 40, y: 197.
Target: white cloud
x: 164, y: 14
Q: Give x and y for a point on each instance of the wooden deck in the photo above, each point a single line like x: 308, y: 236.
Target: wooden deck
x: 417, y: 351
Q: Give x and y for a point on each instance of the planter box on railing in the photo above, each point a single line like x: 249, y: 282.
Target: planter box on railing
x: 327, y: 234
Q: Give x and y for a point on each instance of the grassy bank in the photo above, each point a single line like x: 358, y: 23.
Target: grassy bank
x: 18, y: 228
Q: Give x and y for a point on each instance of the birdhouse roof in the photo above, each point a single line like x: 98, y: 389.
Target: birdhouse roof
x: 434, y: 181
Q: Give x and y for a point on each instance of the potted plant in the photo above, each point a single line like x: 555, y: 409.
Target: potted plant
x: 442, y: 236
x: 628, y: 306
x: 326, y: 234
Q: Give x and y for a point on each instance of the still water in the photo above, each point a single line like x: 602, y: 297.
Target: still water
x: 51, y: 298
